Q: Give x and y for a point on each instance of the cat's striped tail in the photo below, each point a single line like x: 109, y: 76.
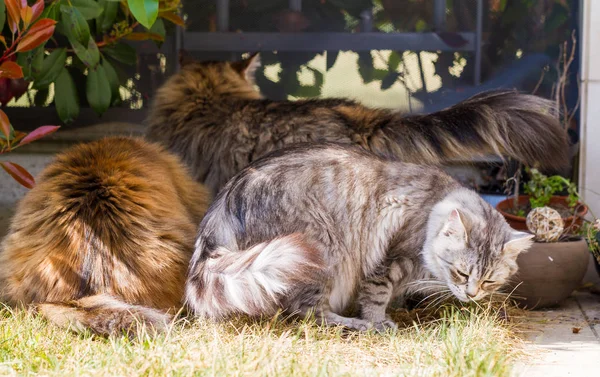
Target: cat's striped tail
x: 252, y: 281
x: 104, y: 315
x: 507, y: 123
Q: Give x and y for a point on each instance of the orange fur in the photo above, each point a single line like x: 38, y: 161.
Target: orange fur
x: 114, y: 219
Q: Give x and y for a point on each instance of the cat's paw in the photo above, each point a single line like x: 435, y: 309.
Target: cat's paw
x: 385, y: 325
x: 359, y: 325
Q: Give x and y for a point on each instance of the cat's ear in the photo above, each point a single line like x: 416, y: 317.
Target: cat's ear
x: 185, y: 58
x: 247, y: 67
x: 518, y: 243
x: 454, y: 227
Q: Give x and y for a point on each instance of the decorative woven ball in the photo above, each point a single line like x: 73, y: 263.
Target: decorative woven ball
x: 546, y: 223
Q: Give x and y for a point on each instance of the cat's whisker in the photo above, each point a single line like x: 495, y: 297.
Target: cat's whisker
x: 428, y: 297
x: 438, y: 300
x: 435, y: 293
x: 426, y: 281
x: 421, y: 289
x: 439, y: 294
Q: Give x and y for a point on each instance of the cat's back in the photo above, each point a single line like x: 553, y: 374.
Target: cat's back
x: 116, y: 176
x: 339, y: 163
x: 337, y: 178
x: 99, y: 217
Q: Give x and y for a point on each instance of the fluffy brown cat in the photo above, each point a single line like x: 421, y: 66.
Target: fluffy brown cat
x: 211, y: 115
x: 104, y: 239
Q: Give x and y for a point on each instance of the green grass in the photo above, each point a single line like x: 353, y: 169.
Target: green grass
x: 452, y: 342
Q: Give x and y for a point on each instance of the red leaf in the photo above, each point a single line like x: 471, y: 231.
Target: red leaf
x: 4, y: 125
x: 13, y: 11
x: 173, y: 17
x: 19, y: 174
x: 5, y: 92
x: 38, y: 133
x: 37, y: 9
x: 10, y: 70
x: 26, y: 15
x: 144, y: 36
x: 37, y: 35
x: 18, y: 136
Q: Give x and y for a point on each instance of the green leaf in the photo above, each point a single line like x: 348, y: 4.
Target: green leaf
x: 89, y: 56
x: 74, y: 24
x: 61, y: 29
x: 113, y: 81
x: 307, y: 91
x: 379, y: 74
x: 106, y: 20
x: 145, y: 11
x: 2, y: 14
x: 394, y: 61
x: 365, y: 66
x: 389, y: 80
x: 52, y: 11
x: 319, y: 78
x: 121, y: 52
x: 98, y: 90
x: 159, y: 29
x: 421, y: 26
x: 31, y: 62
x: 24, y: 60
x: 67, y: 103
x: 41, y: 97
x: 331, y: 57
x: 89, y: 8
x: 51, y: 68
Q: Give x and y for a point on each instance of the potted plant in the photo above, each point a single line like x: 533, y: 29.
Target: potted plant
x: 556, y: 263
x: 541, y: 191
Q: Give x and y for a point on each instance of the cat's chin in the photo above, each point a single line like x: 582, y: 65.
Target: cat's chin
x: 458, y: 294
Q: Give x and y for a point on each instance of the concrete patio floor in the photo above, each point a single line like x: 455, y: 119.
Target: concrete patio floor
x: 554, y: 347
x: 564, y: 341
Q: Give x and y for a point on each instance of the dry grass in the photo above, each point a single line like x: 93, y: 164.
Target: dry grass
x: 468, y: 341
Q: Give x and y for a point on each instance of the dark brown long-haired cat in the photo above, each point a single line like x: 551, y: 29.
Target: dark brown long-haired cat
x: 212, y: 116
x: 104, y: 238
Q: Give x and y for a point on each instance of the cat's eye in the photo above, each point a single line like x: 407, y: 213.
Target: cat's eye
x: 462, y: 274
x: 488, y: 282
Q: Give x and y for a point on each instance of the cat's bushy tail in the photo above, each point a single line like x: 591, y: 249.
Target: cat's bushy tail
x: 252, y: 281
x: 105, y: 315
x: 520, y: 126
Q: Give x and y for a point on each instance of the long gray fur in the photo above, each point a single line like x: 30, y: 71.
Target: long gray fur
x: 210, y: 114
x: 309, y: 229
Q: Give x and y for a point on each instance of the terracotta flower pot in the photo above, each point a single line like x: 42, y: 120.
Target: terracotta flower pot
x: 549, y: 273
x: 518, y: 222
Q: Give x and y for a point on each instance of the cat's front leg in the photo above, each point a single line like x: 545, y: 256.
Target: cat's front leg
x: 374, y: 297
x: 326, y: 316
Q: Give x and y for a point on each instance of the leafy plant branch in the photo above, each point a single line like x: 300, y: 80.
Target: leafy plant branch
x: 31, y: 32
x: 541, y: 188
x: 89, y: 40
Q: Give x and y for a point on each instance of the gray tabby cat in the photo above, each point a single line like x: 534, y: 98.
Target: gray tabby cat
x: 310, y: 229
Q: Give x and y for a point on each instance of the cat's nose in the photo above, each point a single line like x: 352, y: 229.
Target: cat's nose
x: 472, y: 292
